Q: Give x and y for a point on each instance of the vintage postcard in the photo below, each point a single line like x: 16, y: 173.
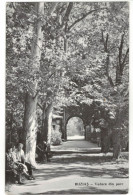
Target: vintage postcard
x: 67, y: 98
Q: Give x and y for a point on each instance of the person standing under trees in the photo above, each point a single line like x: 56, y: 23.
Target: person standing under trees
x: 43, y: 152
x: 21, y: 158
x: 40, y: 153
x: 46, y: 149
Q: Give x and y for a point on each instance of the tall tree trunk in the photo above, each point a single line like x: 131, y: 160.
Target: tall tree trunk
x: 44, y: 130
x: 117, y: 132
x: 116, y: 143
x: 30, y: 125
x: 65, y: 44
x: 105, y: 140
x: 49, y: 122
x: 11, y: 123
x: 118, y: 75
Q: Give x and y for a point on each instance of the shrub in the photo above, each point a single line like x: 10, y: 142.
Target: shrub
x: 56, y: 138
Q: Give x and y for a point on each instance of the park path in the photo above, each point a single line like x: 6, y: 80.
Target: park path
x: 76, y: 146
x: 77, y: 173
x: 84, y: 175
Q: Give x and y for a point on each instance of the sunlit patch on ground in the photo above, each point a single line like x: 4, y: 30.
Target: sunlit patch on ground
x: 86, y: 174
x: 75, y: 137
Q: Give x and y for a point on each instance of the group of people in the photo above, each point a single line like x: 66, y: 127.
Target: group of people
x: 15, y: 163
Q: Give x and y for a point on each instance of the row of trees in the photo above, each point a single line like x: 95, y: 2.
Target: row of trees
x: 62, y: 54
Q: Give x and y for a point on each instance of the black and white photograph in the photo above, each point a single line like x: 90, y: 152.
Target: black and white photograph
x: 67, y: 97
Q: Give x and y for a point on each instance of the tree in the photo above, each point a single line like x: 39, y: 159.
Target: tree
x: 30, y: 125
x: 108, y: 60
x: 65, y: 54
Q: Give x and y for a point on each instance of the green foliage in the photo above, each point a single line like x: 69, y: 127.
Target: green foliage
x: 77, y: 76
x: 56, y: 138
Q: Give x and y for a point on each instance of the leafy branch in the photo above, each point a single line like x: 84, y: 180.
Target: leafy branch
x: 84, y: 16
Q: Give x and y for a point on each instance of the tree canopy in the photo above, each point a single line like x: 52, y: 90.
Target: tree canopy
x: 84, y: 59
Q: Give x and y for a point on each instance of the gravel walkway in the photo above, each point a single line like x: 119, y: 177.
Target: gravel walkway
x: 78, y: 174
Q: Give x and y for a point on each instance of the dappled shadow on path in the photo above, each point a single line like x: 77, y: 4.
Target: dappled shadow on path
x: 96, y: 167
x: 91, y: 190
x: 53, y: 174
x: 82, y: 172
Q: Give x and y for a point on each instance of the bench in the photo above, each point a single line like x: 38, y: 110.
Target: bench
x: 9, y: 176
